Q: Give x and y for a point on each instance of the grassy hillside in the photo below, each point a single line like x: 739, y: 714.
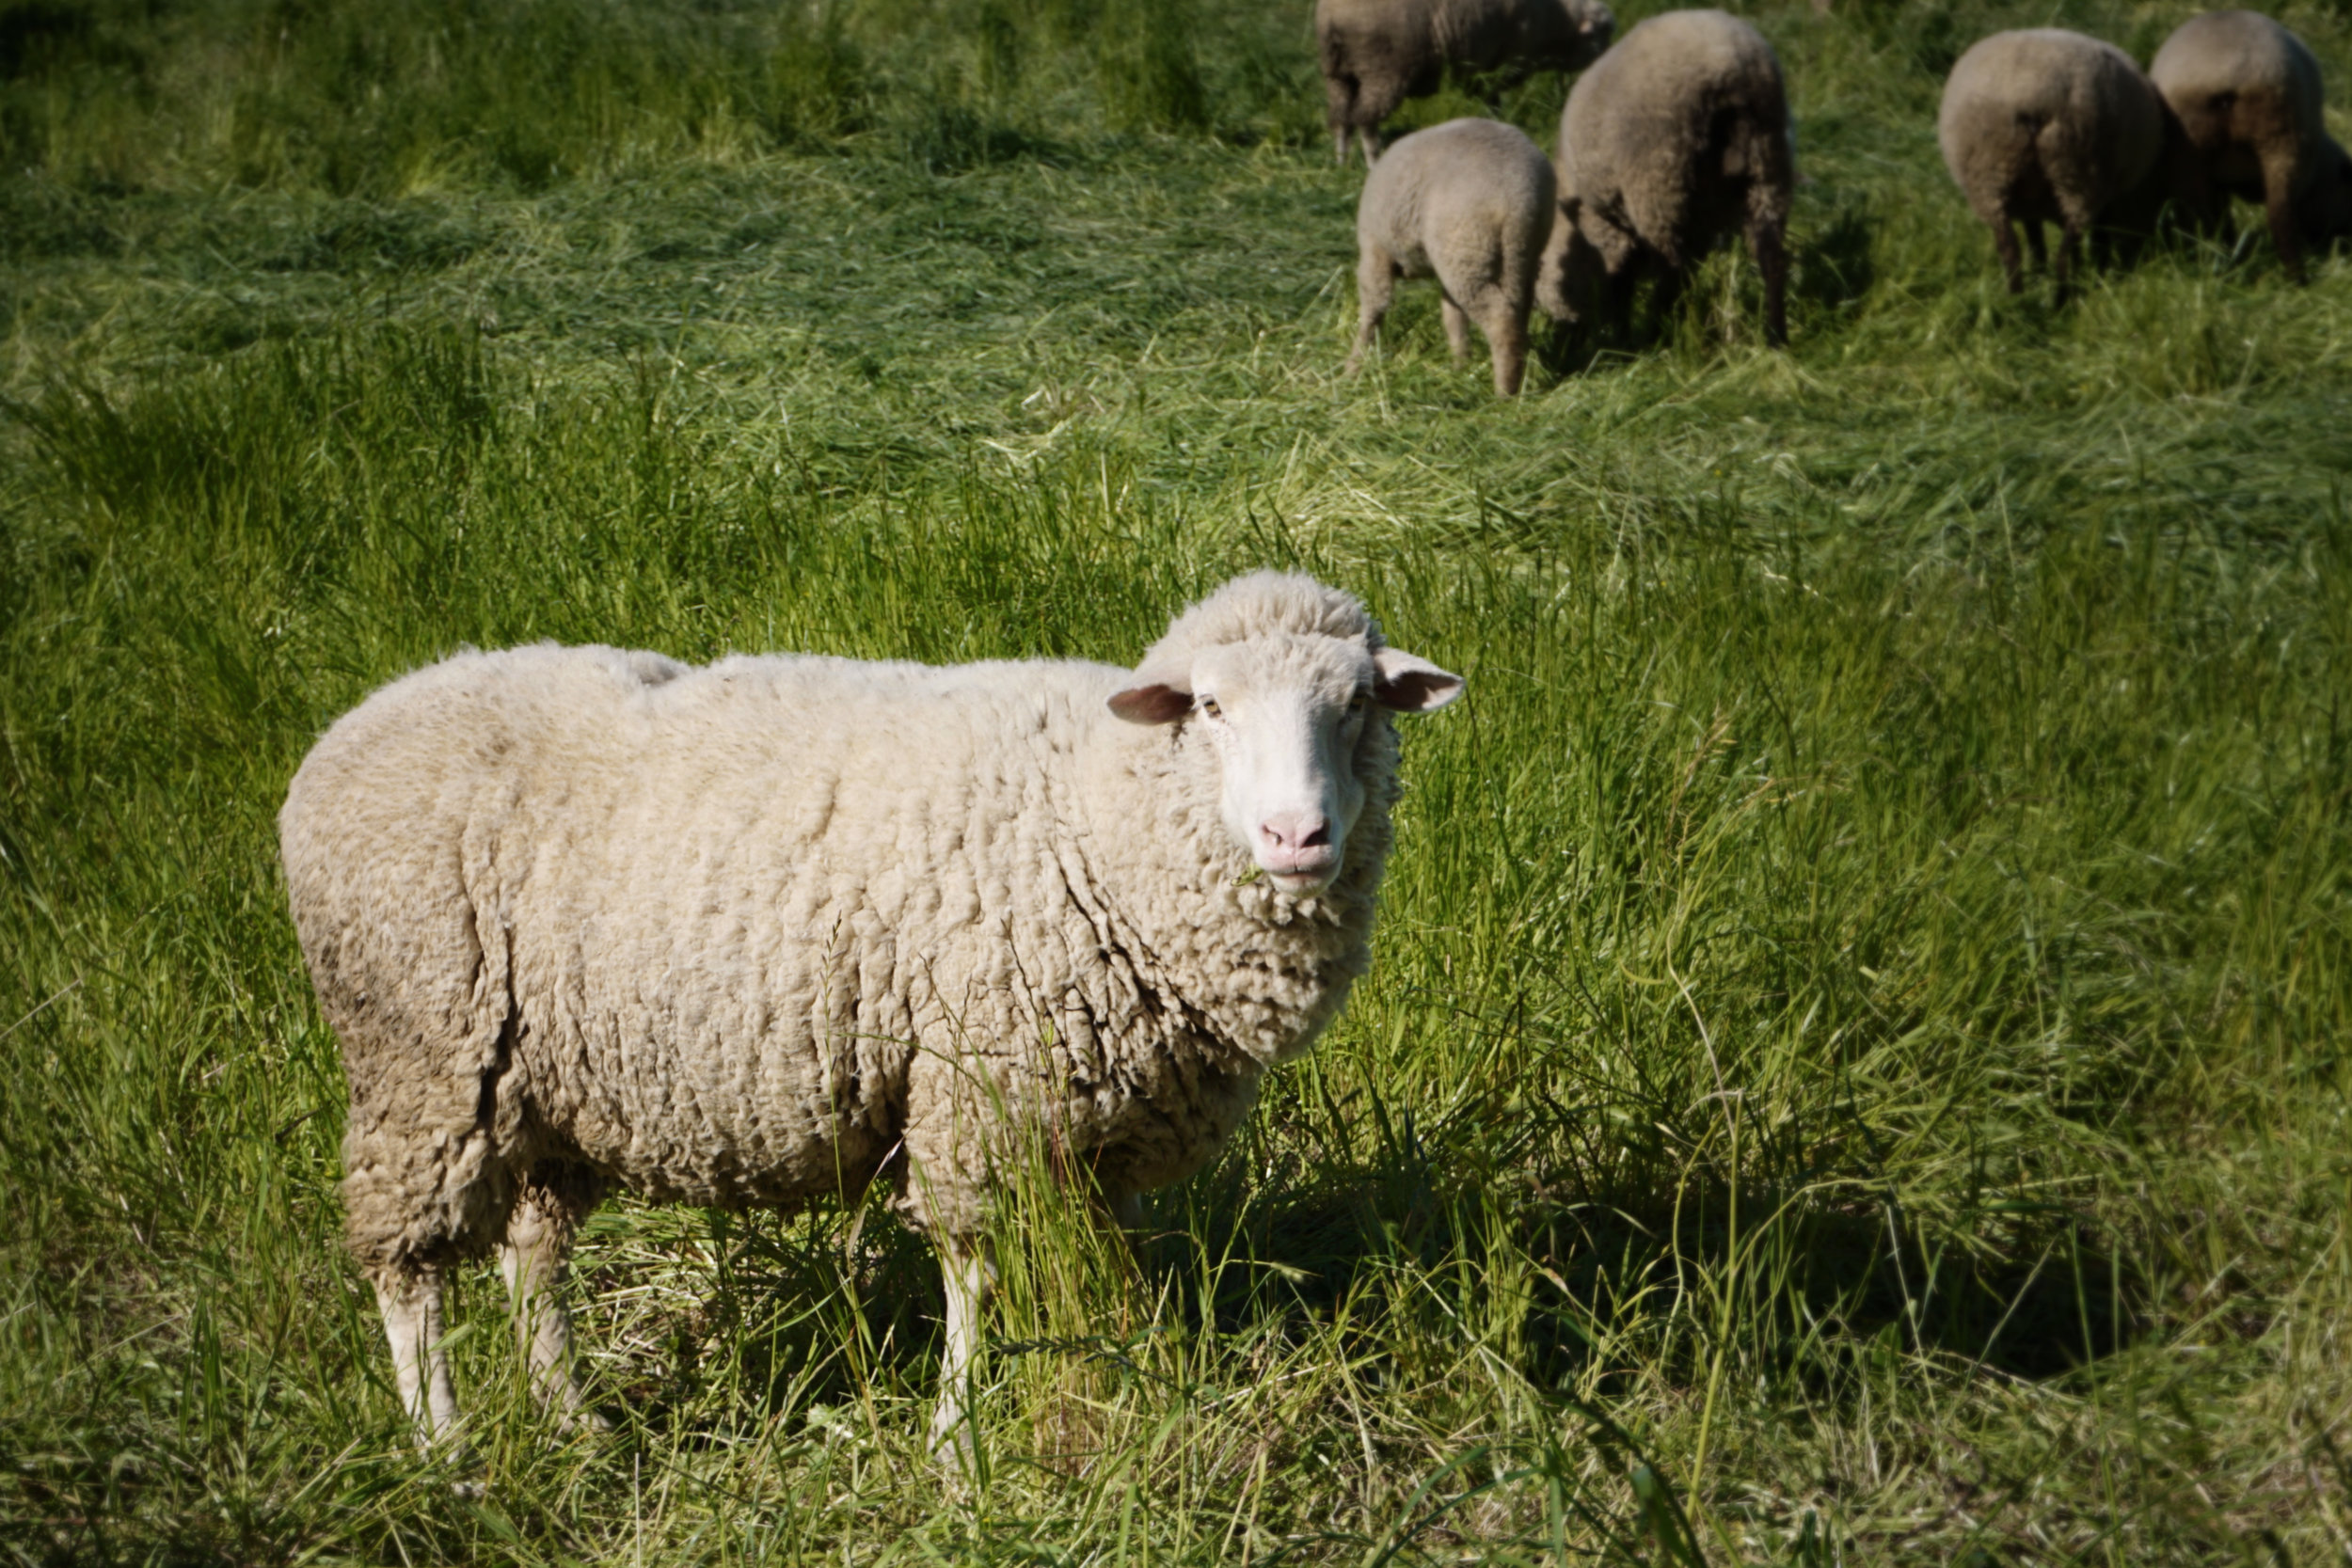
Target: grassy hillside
x: 1854, y: 1070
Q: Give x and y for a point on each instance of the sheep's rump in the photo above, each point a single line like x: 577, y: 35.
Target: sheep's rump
x: 703, y: 929
x: 1678, y: 135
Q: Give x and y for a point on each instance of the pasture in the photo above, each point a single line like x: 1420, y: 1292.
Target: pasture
x: 1854, y: 1070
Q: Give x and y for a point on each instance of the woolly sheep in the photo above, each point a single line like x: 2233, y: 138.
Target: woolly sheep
x: 1471, y: 201
x: 2044, y: 125
x: 1377, y: 54
x: 769, y: 930
x: 2248, y: 96
x: 1674, y: 139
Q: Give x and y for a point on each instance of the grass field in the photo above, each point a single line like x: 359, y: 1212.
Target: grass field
x: 1855, y: 1067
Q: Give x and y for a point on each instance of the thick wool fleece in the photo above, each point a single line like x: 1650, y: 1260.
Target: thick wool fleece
x: 1674, y: 140
x: 2046, y: 126
x: 2253, y: 124
x: 1471, y: 204
x: 766, y: 931
x: 1376, y: 53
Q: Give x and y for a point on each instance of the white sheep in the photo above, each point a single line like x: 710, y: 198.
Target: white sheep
x: 1471, y: 202
x: 767, y: 931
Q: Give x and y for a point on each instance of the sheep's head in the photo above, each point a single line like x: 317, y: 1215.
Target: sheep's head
x: 1282, y: 675
x: 1590, y: 25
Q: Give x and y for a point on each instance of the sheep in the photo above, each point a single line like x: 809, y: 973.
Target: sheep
x: 2044, y: 125
x: 1676, y: 138
x: 1376, y: 53
x: 770, y: 930
x: 1472, y: 202
x: 2247, y: 98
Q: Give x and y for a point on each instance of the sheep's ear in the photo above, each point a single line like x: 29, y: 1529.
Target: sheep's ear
x: 1411, y: 685
x: 1149, y: 702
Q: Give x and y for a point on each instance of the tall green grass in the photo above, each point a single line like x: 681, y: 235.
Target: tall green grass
x: 1853, y: 1066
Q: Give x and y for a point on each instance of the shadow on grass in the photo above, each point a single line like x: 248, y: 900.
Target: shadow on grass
x: 2032, y: 1294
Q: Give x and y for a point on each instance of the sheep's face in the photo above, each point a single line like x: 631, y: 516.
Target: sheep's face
x: 1287, y: 716
x: 1590, y: 25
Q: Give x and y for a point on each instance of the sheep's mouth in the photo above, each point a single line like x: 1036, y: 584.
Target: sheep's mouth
x: 1305, y: 881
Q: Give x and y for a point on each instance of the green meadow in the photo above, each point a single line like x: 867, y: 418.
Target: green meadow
x: 1854, y: 1070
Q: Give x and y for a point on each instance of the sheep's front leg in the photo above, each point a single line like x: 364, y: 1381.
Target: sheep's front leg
x: 410, y: 1301
x: 970, y: 1273
x: 539, y: 1237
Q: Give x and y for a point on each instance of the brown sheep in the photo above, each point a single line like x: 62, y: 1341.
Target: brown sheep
x: 2248, y: 96
x: 1674, y: 139
x: 1471, y: 201
x: 1377, y: 54
x: 2044, y: 125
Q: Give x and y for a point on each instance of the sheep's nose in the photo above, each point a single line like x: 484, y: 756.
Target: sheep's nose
x: 1295, y: 843
x: 1296, y: 830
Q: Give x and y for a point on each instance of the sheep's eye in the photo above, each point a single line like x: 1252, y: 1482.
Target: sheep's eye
x: 1208, y: 705
x: 1360, y: 702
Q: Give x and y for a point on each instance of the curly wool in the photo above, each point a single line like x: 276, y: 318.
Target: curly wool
x: 765, y: 932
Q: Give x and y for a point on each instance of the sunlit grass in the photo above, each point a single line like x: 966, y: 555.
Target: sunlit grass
x: 1852, y: 1071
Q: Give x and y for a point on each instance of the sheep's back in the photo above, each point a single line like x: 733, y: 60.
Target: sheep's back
x: 1639, y: 126
x: 1464, y: 184
x: 724, y: 903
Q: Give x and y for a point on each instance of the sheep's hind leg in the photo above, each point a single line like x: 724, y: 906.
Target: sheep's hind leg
x: 1457, y: 329
x: 970, y: 1275
x: 410, y: 1301
x: 2278, y: 209
x: 1501, y: 316
x: 1375, y: 286
x: 2069, y: 253
x: 1767, y: 247
x: 2013, y: 265
x: 547, y: 1214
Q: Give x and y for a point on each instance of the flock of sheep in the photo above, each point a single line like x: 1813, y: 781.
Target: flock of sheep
x: 1678, y: 136
x: 787, y: 928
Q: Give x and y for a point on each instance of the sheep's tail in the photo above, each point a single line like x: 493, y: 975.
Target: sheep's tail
x: 1341, y: 85
x: 1757, y: 145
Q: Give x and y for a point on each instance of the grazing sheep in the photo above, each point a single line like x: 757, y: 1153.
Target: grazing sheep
x: 2248, y: 96
x: 1377, y: 54
x: 770, y: 930
x: 1674, y: 139
x: 2044, y: 125
x: 1472, y: 202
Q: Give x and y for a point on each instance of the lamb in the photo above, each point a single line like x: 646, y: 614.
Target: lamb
x: 1471, y: 202
x: 771, y: 930
x: 2248, y: 96
x: 1676, y: 138
x: 1377, y: 54
x: 2044, y: 125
